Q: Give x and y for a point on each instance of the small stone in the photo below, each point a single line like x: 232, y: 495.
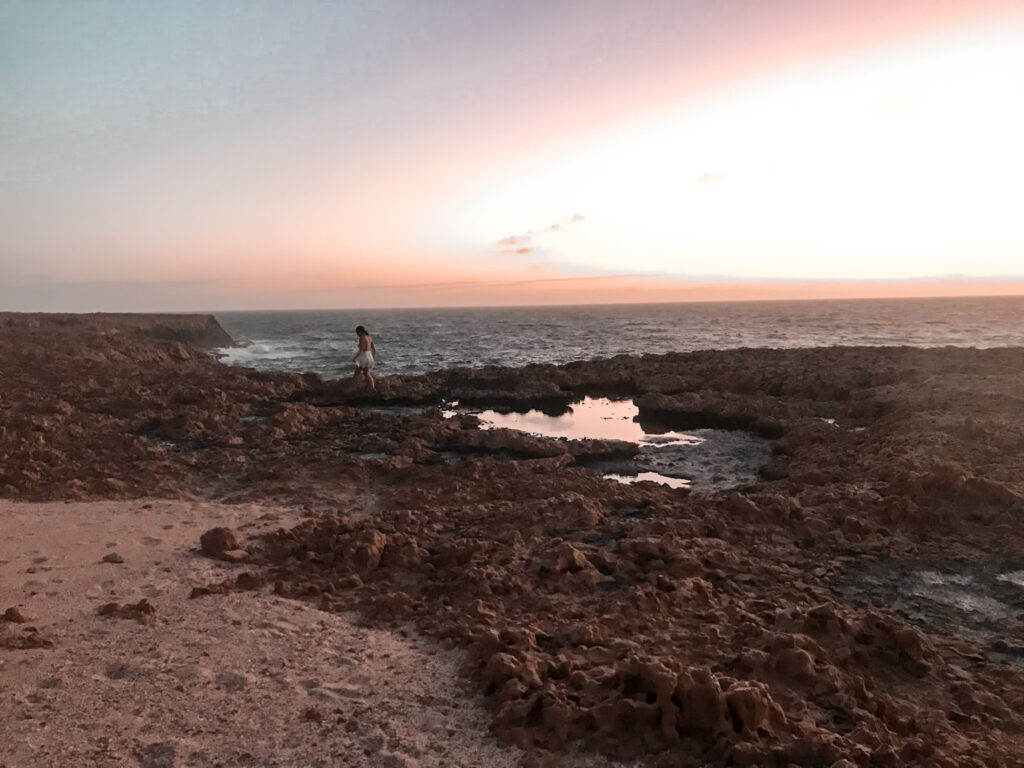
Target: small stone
x: 120, y: 671
x: 249, y: 580
x: 392, y: 760
x: 31, y: 639
x: 216, y: 541
x: 14, y: 616
x: 112, y: 557
x: 312, y: 715
x: 231, y: 681
x: 141, y: 611
x: 144, y: 606
x: 158, y: 755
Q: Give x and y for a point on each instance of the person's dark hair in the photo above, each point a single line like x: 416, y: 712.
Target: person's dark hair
x: 360, y: 330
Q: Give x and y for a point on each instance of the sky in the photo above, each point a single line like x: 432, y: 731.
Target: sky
x: 202, y: 156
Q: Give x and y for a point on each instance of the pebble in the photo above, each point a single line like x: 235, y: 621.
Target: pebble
x: 14, y: 616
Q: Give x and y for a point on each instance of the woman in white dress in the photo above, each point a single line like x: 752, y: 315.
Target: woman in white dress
x: 364, y: 357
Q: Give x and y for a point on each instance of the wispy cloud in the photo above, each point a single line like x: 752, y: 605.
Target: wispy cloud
x: 522, y: 244
x: 712, y: 177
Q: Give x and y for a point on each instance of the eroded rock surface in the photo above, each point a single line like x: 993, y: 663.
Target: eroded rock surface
x: 727, y: 628
x: 195, y: 329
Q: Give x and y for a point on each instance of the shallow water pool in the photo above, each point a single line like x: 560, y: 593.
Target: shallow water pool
x: 701, y: 460
x: 594, y: 418
x: 650, y: 477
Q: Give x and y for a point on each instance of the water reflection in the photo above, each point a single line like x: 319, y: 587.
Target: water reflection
x: 653, y: 477
x: 704, y: 460
x: 599, y: 418
x: 595, y: 418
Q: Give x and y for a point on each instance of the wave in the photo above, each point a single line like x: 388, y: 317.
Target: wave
x: 416, y: 341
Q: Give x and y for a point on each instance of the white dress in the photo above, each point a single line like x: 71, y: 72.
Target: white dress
x: 364, y: 359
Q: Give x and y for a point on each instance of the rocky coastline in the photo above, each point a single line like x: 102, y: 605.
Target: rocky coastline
x: 861, y: 604
x: 199, y: 330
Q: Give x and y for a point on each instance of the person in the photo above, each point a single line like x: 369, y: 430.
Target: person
x: 364, y: 357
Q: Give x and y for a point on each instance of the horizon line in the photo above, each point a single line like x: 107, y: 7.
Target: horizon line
x: 583, y: 304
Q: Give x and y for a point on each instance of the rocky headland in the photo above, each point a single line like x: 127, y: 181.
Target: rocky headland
x: 861, y: 604
x: 201, y: 331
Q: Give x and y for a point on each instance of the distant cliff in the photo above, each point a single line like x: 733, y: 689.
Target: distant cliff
x: 197, y: 330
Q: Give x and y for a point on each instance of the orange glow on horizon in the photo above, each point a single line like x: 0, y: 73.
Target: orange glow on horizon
x: 434, y: 291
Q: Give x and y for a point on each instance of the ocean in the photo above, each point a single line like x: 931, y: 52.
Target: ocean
x: 419, y: 340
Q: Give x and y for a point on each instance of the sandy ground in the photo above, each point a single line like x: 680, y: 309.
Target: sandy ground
x: 244, y: 679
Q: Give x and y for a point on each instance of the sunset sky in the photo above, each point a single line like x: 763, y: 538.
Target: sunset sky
x: 203, y: 156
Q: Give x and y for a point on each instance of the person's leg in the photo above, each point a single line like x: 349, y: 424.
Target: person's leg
x: 364, y: 373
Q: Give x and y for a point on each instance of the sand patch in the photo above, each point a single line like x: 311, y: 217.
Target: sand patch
x: 244, y: 679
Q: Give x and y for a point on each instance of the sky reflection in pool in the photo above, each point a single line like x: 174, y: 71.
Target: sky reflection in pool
x: 653, y: 477
x: 595, y: 418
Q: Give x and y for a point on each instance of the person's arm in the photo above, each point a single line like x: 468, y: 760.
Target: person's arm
x: 373, y: 349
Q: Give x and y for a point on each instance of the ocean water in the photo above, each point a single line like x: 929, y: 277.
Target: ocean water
x: 420, y: 340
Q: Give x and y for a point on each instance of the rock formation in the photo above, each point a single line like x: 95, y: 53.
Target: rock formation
x: 198, y: 330
x: 860, y: 605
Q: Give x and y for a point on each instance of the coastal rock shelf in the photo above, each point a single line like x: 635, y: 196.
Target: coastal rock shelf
x: 857, y: 605
x: 196, y: 329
